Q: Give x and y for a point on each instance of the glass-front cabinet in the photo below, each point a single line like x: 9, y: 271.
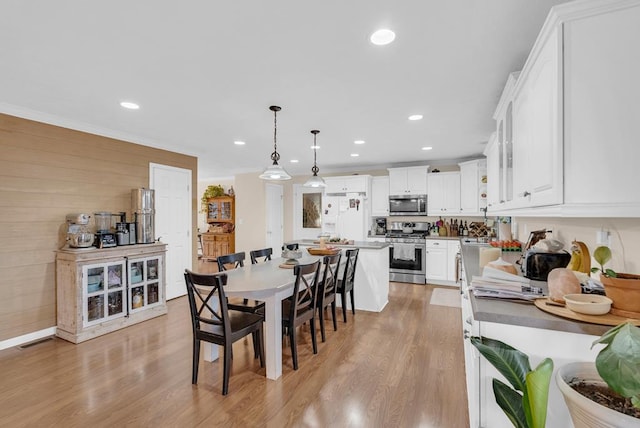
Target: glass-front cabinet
x: 104, y: 290
x: 144, y: 282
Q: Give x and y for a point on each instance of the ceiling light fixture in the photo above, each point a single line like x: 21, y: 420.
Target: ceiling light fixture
x: 382, y: 37
x: 129, y: 105
x: 415, y: 117
x: 275, y: 171
x: 359, y: 142
x: 427, y: 148
x: 239, y: 143
x: 315, y: 181
x: 354, y: 155
x: 294, y: 161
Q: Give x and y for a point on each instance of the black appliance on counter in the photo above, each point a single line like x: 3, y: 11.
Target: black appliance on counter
x: 408, y: 205
x: 537, y: 264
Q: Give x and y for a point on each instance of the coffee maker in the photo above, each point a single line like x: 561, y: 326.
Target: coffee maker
x: 104, y: 237
x: 122, y: 229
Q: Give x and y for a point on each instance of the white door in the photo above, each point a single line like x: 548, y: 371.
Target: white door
x: 173, y: 222
x: 275, y: 237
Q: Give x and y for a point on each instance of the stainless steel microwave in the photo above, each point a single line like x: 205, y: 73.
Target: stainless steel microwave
x: 408, y: 205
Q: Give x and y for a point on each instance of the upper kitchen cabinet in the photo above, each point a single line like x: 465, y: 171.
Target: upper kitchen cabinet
x: 537, y: 139
x: 408, y: 181
x: 493, y: 152
x: 473, y: 187
x: 443, y: 193
x: 380, y: 196
x: 570, y: 147
x: 348, y: 184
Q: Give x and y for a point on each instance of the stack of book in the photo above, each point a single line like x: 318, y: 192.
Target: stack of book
x: 498, y: 284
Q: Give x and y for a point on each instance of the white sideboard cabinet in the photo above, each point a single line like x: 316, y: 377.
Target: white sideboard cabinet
x: 103, y: 290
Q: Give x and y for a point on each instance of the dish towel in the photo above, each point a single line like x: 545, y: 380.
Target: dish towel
x: 404, y: 252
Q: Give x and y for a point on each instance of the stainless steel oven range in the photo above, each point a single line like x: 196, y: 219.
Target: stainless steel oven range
x: 407, y: 256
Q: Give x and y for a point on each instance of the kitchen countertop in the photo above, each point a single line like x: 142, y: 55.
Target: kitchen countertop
x: 522, y: 314
x: 363, y: 245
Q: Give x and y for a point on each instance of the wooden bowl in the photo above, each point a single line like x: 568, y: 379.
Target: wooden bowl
x: 323, y: 251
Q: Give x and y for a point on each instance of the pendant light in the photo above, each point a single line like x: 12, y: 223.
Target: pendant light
x: 275, y: 171
x: 315, y: 181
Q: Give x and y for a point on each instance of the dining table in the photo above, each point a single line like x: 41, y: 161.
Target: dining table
x: 270, y: 282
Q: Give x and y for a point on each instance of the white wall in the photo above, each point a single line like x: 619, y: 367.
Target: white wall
x: 624, y: 233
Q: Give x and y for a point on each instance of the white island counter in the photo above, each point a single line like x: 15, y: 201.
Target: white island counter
x: 371, y: 287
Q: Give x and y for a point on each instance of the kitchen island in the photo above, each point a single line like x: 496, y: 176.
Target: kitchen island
x: 371, y: 287
x: 525, y: 327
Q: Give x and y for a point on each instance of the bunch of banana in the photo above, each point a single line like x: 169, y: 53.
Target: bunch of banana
x: 580, y: 257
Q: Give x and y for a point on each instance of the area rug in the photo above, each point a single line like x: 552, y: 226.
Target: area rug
x: 444, y: 297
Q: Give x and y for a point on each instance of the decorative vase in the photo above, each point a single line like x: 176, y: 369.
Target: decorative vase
x: 624, y: 290
x: 584, y: 412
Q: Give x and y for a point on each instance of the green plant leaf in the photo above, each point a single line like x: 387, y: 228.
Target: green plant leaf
x: 610, y: 273
x: 536, y: 396
x: 511, y: 363
x: 602, y: 255
x: 510, y: 402
x: 619, y: 362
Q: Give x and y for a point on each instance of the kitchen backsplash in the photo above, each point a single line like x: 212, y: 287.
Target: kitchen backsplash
x: 624, y: 236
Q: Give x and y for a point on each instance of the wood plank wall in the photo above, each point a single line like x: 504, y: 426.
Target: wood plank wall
x: 47, y: 172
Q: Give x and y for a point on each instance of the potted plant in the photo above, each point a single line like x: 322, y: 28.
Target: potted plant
x: 622, y: 288
x: 613, y: 382
x: 525, y: 402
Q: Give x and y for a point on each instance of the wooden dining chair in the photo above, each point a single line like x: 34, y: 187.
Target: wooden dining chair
x: 302, y: 306
x: 327, y: 290
x: 265, y: 253
x: 345, y: 285
x: 245, y: 305
x: 212, y: 321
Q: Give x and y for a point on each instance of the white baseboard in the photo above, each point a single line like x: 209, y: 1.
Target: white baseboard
x: 26, y: 338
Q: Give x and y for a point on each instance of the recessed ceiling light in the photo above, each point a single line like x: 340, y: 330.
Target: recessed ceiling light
x: 415, y: 117
x: 359, y: 142
x: 314, y: 147
x: 382, y: 37
x: 294, y: 161
x: 129, y: 105
x: 427, y: 148
x: 354, y: 155
x: 239, y: 143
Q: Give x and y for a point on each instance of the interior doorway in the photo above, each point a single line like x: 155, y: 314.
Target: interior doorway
x: 173, y: 223
x: 275, y: 221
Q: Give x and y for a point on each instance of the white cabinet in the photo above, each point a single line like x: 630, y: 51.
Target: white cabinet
x: 103, y: 290
x: 380, y: 196
x: 453, y: 248
x: 443, y: 193
x: 408, y: 181
x: 470, y: 327
x: 348, y: 184
x: 572, y: 149
x: 494, y: 168
x: 473, y: 187
x: 537, y: 149
x: 436, y: 260
x: 441, y: 261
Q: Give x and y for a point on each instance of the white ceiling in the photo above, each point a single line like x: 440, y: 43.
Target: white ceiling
x: 205, y: 73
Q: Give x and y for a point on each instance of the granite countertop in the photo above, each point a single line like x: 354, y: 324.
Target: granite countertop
x: 522, y: 314
x: 363, y: 245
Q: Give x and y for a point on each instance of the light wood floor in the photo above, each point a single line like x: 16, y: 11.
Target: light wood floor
x: 403, y: 367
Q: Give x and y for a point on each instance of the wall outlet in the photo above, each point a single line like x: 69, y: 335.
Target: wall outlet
x: 603, y: 237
